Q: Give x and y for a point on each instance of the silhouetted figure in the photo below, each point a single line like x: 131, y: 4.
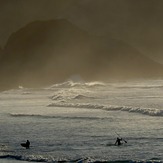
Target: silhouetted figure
x: 118, y: 141
x: 26, y: 145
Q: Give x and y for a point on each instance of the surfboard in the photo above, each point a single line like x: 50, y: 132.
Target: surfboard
x: 110, y: 144
x: 24, y: 145
x: 114, y: 144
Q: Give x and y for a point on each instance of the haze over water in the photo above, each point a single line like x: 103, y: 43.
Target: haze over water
x: 46, y: 42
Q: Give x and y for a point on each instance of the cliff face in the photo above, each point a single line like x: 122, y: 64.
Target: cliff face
x: 44, y: 52
x: 1, y: 51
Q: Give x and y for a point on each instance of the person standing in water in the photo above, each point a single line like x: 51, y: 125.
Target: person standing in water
x: 27, y: 144
x: 118, y: 141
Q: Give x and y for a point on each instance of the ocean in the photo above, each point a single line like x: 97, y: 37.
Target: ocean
x: 79, y: 122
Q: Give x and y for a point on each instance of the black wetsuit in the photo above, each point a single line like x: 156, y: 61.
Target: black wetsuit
x: 118, y: 141
x: 27, y: 144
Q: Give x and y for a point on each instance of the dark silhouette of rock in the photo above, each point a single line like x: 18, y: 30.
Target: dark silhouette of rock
x: 1, y: 51
x: 45, y: 52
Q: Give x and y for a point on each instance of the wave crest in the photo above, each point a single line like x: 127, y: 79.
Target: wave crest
x: 57, y: 117
x: 146, y: 111
x: 69, y: 84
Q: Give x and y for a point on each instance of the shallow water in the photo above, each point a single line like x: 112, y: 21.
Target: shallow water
x: 80, y: 121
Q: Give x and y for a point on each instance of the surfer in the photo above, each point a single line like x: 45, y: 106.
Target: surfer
x: 26, y: 145
x: 118, y: 141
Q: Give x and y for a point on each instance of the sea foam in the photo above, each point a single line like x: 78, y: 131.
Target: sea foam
x: 70, y: 83
x: 146, y: 111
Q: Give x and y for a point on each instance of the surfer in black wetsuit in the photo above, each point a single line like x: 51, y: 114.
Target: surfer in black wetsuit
x: 27, y: 144
x: 118, y: 141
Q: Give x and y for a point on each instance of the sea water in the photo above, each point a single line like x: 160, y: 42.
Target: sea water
x: 79, y: 122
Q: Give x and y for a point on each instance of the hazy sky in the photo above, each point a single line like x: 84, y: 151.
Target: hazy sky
x: 138, y: 22
x: 15, y: 14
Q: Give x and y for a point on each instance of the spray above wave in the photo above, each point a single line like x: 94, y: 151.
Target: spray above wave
x: 146, y: 111
x: 147, y: 84
x: 70, y: 83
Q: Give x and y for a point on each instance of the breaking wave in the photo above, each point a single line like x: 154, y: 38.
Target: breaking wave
x: 82, y: 97
x: 56, y: 117
x: 146, y: 111
x: 120, y: 85
x: 72, y: 94
x: 75, y: 97
x: 69, y: 84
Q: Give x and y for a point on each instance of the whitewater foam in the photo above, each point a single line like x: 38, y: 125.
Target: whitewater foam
x: 55, y: 117
x: 146, y: 111
x: 69, y: 84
